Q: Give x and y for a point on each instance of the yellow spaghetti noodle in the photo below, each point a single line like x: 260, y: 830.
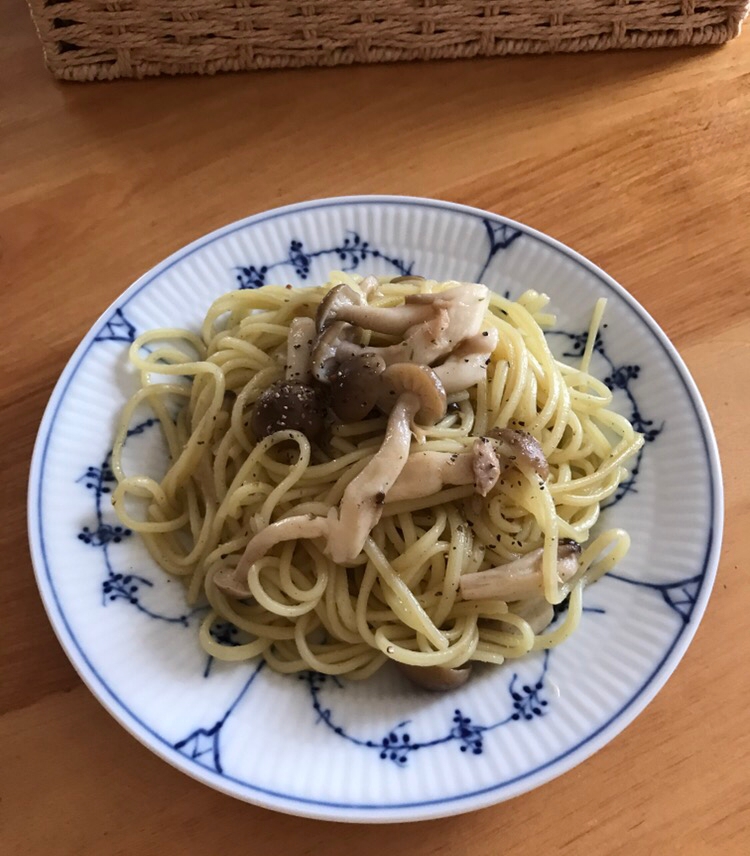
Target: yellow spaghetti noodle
x: 400, y: 598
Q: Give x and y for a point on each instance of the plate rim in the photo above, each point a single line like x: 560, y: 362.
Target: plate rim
x: 371, y: 812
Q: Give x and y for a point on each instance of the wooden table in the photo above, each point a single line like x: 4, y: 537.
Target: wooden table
x: 641, y: 161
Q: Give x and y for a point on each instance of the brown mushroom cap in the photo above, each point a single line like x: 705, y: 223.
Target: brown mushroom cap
x: 409, y: 277
x: 339, y: 296
x: 355, y: 386
x: 568, y: 546
x: 436, y: 678
x: 420, y: 299
x: 326, y: 351
x: 288, y: 405
x: 422, y: 382
x: 485, y: 466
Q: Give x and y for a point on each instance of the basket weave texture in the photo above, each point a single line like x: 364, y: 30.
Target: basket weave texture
x: 89, y: 40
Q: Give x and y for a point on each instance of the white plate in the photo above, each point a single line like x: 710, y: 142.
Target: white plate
x: 378, y: 751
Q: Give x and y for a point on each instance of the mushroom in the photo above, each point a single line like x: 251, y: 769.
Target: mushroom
x: 426, y: 473
x: 409, y: 277
x: 337, y: 299
x: 536, y: 612
x: 288, y: 405
x: 467, y: 365
x: 521, y: 448
x: 432, y: 324
x: 419, y: 396
x: 334, y: 344
x: 369, y: 285
x: 355, y: 386
x: 233, y: 581
x: 522, y: 578
x: 436, y: 678
x: 344, y: 304
x: 459, y: 312
x: 411, y: 379
x: 424, y: 343
x: 394, y: 320
x: 299, y: 350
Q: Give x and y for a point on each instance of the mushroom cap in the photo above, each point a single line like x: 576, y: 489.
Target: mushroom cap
x: 340, y: 295
x: 325, y: 358
x: 288, y: 405
x: 485, y: 466
x: 422, y: 382
x: 409, y: 277
x: 420, y: 299
x: 355, y: 386
x: 436, y: 678
x: 568, y: 547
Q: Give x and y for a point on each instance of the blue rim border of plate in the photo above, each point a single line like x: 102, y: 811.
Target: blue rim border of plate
x: 563, y: 762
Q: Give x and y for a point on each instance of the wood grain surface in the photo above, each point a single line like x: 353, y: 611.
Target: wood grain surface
x: 640, y: 160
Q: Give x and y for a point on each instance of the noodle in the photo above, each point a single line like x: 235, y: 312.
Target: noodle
x: 401, y: 597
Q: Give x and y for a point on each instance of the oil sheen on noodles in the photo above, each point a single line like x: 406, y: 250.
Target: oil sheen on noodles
x: 401, y: 597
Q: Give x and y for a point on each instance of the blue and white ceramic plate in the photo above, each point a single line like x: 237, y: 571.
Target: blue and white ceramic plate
x: 377, y: 751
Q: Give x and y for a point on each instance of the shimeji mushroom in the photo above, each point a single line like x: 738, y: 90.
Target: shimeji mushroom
x: 288, y: 405
x: 333, y: 345
x: 344, y: 304
x: 457, y: 315
x: 522, y: 578
x: 432, y: 324
x: 408, y: 277
x: 299, y: 350
x: 467, y: 365
x: 521, y: 448
x: 233, y: 581
x: 355, y: 386
x: 420, y: 398
x: 426, y: 473
x: 338, y: 298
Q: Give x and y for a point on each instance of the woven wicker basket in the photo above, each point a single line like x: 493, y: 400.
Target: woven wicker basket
x: 90, y: 40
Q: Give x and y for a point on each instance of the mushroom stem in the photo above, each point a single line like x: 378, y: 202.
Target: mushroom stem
x: 520, y: 579
x: 233, y: 581
x: 362, y: 503
x: 428, y: 473
x: 467, y: 365
x: 419, y: 397
x: 394, y: 320
x: 521, y: 448
x: 299, y: 350
x: 432, y: 324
